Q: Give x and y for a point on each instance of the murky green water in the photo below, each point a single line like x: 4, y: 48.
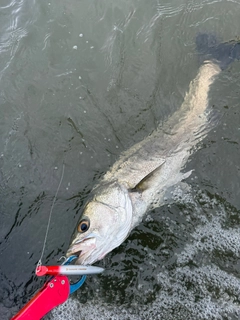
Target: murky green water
x: 81, y: 81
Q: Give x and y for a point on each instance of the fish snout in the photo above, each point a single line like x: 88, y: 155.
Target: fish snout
x: 81, y: 247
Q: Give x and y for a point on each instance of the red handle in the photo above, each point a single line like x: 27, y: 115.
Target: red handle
x: 53, y: 293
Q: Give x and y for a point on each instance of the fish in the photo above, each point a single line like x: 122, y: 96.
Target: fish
x: 141, y: 178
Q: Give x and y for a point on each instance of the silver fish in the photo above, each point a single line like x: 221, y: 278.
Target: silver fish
x: 143, y: 175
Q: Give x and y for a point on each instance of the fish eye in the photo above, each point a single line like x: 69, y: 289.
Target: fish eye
x: 83, y: 226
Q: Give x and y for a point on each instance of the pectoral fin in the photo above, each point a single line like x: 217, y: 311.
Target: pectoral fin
x: 132, y: 171
x: 147, y: 181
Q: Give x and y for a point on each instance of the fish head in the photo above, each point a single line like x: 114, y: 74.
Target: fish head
x: 104, y: 225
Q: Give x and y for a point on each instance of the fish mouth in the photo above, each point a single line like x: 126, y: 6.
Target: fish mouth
x: 82, y: 248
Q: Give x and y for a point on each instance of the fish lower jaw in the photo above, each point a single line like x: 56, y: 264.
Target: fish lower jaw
x: 73, y: 253
x: 82, y: 248
x: 80, y: 256
x: 75, y: 250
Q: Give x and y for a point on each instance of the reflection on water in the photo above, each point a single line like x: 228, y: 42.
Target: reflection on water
x: 79, y: 83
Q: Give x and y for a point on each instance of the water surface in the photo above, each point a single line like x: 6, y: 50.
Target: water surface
x: 80, y: 82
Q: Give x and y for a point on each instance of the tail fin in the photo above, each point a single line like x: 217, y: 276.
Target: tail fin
x: 222, y: 53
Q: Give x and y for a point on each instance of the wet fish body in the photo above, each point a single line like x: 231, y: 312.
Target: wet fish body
x: 143, y: 175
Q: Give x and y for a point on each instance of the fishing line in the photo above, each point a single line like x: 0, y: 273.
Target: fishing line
x: 49, y: 220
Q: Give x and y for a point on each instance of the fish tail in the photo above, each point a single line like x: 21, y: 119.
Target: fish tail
x: 208, y: 48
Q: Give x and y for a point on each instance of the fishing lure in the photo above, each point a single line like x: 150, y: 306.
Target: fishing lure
x: 56, y: 290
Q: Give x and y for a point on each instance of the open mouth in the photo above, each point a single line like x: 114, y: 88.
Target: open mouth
x: 81, y: 247
x: 77, y: 253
